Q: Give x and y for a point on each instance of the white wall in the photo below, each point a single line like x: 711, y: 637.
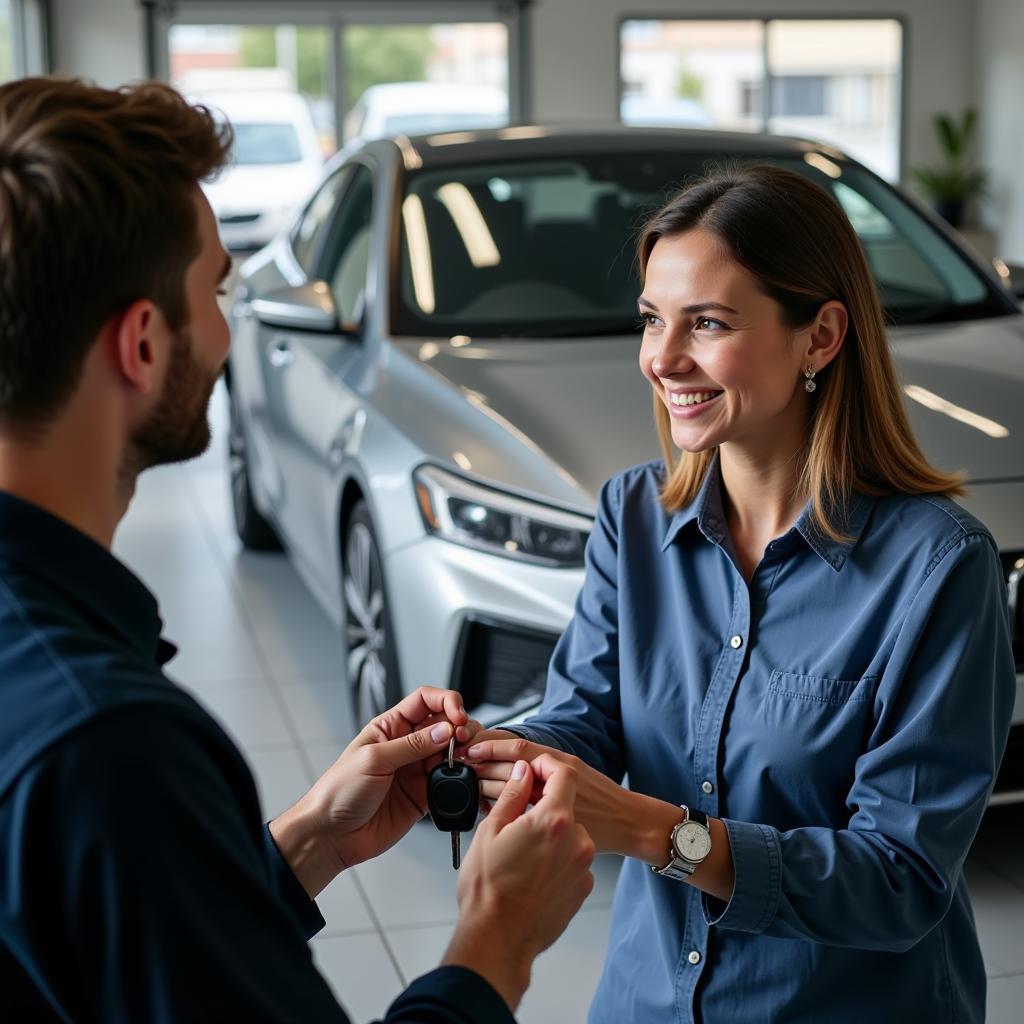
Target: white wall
x: 98, y: 39
x: 1001, y: 89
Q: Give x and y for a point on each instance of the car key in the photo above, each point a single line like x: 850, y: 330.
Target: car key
x: 453, y: 799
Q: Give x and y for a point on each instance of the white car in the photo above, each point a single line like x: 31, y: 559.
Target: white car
x: 276, y: 163
x: 424, y: 108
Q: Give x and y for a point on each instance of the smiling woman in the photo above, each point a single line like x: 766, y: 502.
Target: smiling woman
x: 791, y: 639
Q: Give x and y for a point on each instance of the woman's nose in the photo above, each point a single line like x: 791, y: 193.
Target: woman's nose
x: 672, y: 358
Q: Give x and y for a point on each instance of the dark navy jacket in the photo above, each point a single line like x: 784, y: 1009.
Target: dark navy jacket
x: 137, y: 879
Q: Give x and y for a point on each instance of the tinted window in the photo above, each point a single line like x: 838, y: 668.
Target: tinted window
x: 346, y: 255
x: 547, y: 246
x: 310, y: 229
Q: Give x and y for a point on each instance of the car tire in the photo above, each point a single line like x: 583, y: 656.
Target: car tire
x: 252, y: 528
x: 371, y: 666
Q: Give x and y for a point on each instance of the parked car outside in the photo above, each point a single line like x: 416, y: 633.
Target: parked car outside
x: 276, y: 162
x: 436, y: 368
x: 418, y: 108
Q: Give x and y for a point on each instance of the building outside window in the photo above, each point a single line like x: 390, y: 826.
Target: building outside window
x: 833, y: 80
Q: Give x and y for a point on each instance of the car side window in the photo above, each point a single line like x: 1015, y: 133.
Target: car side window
x: 346, y: 254
x: 310, y: 230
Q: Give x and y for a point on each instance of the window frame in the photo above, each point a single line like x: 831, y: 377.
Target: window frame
x: 767, y: 82
x: 337, y: 15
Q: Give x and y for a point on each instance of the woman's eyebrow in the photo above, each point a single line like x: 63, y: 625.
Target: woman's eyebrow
x: 700, y: 307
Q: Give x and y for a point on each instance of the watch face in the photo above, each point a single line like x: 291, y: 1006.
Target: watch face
x: 692, y: 842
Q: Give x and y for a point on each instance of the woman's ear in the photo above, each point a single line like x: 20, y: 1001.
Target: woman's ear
x: 826, y: 334
x: 137, y: 345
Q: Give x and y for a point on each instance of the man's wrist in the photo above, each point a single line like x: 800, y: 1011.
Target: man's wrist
x: 300, y: 836
x: 489, y: 949
x: 643, y: 830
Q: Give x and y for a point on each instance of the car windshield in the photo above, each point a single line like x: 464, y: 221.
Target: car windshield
x: 427, y: 123
x: 265, y: 144
x: 545, y: 248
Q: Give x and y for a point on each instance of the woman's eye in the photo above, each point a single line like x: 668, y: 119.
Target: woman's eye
x: 647, y: 319
x: 706, y: 323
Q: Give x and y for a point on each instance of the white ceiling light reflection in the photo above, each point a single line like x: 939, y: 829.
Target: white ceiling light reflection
x: 459, y: 341
x: 470, y: 223
x: 937, y: 403
x: 461, y: 461
x: 823, y: 164
x: 419, y: 252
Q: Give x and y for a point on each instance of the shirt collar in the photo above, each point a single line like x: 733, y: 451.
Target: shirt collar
x: 708, y: 511
x: 103, y: 589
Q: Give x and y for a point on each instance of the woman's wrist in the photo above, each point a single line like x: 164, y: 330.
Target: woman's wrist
x: 641, y: 828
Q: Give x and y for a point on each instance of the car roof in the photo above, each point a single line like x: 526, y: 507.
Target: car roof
x: 538, y: 141
x: 257, y: 106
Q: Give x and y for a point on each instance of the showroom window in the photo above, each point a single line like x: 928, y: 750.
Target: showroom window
x: 22, y: 39
x: 364, y: 70
x: 834, y: 80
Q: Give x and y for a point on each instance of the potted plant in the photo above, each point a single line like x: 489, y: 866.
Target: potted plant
x: 951, y: 183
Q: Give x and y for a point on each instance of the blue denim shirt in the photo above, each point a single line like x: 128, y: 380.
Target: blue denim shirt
x: 844, y: 713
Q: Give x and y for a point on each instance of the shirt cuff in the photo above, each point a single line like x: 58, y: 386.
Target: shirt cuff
x: 454, y: 994
x: 757, y: 862
x: 290, y: 889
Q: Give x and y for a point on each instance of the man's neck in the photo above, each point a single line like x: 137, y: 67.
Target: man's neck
x: 71, y: 474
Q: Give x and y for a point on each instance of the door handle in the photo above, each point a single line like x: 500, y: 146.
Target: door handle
x: 280, y: 353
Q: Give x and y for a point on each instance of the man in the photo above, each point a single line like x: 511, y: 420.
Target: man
x: 137, y: 881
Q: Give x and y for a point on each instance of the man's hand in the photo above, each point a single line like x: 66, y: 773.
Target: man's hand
x: 527, y: 873
x: 376, y: 790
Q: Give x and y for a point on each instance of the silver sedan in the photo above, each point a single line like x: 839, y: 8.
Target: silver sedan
x: 434, y: 370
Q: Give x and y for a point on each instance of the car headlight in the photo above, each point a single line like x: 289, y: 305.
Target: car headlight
x: 480, y: 517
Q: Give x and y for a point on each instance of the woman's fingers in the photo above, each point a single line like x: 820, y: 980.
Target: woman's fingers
x: 511, y: 750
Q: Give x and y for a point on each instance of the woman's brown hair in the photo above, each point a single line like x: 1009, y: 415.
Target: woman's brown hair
x: 795, y: 239
x: 96, y: 211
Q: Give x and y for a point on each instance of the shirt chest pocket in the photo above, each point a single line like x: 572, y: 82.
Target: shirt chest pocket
x: 813, y: 729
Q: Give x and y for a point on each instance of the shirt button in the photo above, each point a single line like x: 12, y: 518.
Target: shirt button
x: 736, y: 642
x: 693, y: 957
x: 706, y: 787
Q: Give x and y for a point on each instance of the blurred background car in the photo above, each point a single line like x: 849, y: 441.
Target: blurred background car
x: 420, y: 108
x: 276, y: 161
x: 434, y: 370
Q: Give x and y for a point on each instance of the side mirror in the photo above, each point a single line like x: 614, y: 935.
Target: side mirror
x: 308, y: 307
x: 1012, y: 275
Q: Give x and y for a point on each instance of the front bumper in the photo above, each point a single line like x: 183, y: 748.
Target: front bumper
x: 481, y: 623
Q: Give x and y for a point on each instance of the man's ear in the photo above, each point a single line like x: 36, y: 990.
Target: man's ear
x: 826, y: 334
x: 138, y: 337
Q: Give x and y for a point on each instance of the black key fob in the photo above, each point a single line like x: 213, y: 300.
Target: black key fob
x: 453, y: 797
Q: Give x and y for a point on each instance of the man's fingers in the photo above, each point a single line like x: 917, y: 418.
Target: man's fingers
x: 390, y: 755
x: 514, y: 797
x: 558, y: 780
x: 426, y: 701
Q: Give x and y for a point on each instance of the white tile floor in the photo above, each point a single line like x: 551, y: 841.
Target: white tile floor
x: 261, y: 655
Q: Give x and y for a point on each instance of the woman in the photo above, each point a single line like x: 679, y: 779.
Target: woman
x: 789, y: 629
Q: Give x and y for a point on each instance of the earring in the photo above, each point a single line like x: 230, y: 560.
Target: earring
x: 809, y: 384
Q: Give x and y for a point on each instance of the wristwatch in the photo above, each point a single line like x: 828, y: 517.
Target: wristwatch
x: 689, y: 845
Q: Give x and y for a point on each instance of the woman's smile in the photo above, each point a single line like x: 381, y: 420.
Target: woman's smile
x: 689, y: 404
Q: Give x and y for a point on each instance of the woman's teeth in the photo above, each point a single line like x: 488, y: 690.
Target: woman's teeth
x: 692, y: 397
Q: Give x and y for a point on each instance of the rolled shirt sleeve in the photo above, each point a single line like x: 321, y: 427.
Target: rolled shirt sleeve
x: 942, y: 709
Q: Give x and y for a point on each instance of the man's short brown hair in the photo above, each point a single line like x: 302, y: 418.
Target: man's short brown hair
x: 96, y: 212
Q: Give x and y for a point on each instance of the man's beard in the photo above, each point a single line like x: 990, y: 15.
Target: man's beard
x: 177, y: 429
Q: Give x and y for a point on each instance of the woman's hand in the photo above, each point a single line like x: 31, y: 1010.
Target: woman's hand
x: 602, y: 806
x: 376, y: 790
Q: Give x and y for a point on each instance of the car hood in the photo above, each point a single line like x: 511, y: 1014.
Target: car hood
x: 584, y: 404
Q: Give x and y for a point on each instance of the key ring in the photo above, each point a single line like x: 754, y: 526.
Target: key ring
x: 451, y: 752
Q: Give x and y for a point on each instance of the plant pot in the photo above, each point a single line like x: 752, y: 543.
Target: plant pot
x: 950, y: 210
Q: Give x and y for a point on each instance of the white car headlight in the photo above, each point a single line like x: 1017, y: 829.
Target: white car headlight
x: 480, y: 517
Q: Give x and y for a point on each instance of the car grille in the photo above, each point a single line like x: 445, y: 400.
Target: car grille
x: 1013, y: 573
x: 498, y: 663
